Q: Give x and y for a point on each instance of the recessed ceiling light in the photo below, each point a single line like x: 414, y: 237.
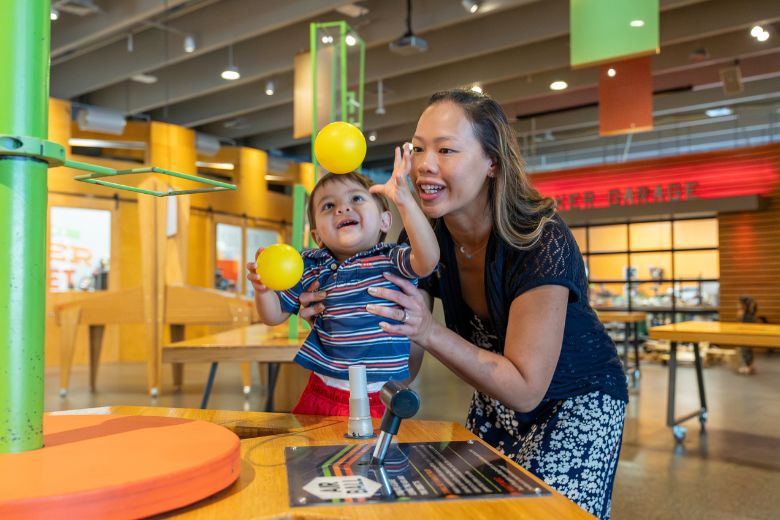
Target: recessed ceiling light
x: 558, y: 85
x: 472, y: 6
x: 637, y: 23
x: 146, y: 79
x: 611, y: 72
x: 718, y: 112
x: 477, y: 89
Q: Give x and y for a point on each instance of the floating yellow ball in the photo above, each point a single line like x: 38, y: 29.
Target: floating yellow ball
x: 340, y: 147
x: 280, y: 267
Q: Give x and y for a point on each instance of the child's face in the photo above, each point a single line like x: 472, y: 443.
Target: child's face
x: 347, y: 218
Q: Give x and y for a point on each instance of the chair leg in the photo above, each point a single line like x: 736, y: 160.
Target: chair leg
x: 95, y: 347
x: 178, y: 375
x: 246, y: 377
x: 69, y: 326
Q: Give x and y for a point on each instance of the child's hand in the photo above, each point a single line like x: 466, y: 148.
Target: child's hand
x: 253, y: 277
x: 396, y: 189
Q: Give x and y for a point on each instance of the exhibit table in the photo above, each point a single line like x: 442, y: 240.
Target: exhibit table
x: 696, y: 332
x: 253, y: 343
x: 270, y: 441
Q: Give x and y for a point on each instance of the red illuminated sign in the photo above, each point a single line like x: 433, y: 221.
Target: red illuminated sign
x: 658, y: 182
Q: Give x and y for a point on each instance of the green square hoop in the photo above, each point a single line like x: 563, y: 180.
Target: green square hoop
x: 101, y: 172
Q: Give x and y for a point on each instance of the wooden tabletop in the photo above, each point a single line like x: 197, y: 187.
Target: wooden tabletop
x: 722, y: 333
x: 621, y: 317
x: 251, y: 343
x: 261, y: 490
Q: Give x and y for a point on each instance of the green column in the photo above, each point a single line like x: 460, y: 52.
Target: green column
x: 24, y: 98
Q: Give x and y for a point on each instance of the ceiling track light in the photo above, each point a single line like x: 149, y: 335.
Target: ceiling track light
x: 130, y: 42
x: 190, y: 43
x: 231, y: 72
x: 476, y: 88
x: 54, y: 14
x: 350, y: 40
x: 269, y: 88
x: 472, y: 6
x: 380, y: 98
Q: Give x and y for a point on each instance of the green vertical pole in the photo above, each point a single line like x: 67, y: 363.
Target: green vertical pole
x: 299, y: 203
x: 343, y: 72
x: 361, y: 81
x: 314, y: 119
x: 24, y: 102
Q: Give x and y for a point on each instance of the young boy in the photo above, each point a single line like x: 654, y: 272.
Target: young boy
x: 349, y: 220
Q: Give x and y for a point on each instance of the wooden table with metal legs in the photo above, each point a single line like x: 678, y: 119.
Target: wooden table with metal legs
x: 631, y: 321
x: 696, y: 332
x: 254, y: 343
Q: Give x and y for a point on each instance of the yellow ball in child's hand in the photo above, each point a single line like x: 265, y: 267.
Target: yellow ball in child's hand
x: 280, y: 267
x: 340, y: 147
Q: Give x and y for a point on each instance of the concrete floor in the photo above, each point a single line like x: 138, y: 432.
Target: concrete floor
x: 731, y: 472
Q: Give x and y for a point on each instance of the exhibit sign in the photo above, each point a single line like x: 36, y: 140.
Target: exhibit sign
x: 319, y: 475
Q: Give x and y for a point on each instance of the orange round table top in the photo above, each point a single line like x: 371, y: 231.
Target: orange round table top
x: 116, y: 466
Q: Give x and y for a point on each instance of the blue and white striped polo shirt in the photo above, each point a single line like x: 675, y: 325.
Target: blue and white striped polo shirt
x: 345, y: 333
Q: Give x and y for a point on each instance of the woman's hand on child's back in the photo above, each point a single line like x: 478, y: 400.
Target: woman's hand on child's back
x: 311, y: 303
x: 396, y: 189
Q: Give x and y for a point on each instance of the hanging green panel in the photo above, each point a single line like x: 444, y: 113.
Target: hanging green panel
x: 609, y: 30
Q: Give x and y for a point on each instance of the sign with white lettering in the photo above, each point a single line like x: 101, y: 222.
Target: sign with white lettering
x: 414, y: 471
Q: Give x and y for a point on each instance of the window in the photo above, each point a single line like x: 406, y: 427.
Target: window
x: 79, y: 249
x: 229, y: 268
x: 668, y: 266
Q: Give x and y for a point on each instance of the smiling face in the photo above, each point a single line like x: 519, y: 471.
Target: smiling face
x: 347, y: 218
x: 449, y: 166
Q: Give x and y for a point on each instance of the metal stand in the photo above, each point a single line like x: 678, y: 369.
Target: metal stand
x: 672, y: 421
x: 273, y: 374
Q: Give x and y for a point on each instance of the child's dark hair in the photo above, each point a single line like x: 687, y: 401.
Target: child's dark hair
x: 355, y: 177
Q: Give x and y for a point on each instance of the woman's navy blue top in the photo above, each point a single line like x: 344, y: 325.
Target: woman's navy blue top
x: 588, y: 360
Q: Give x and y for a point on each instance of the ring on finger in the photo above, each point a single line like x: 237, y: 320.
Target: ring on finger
x: 406, y: 316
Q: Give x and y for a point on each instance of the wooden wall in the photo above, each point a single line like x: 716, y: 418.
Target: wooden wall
x: 750, y: 251
x: 167, y: 146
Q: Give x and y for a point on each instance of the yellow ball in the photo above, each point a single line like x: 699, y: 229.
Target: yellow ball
x: 340, y: 147
x: 280, y: 267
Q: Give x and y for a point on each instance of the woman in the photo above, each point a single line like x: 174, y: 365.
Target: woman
x: 550, y: 389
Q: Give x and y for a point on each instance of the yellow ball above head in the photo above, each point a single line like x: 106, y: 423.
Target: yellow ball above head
x: 340, y: 147
x: 280, y: 267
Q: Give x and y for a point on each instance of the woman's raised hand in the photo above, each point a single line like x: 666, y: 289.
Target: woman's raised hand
x: 396, y: 189
x: 416, y: 320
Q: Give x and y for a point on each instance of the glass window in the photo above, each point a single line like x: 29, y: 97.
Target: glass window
x: 255, y: 239
x: 608, y: 238
x: 608, y: 267
x: 651, y: 295
x: 647, y: 236
x: 579, y: 235
x: 607, y: 295
x: 696, y: 264
x: 696, y: 233
x: 652, y: 266
x: 697, y: 294
x: 79, y: 249
x: 229, y: 252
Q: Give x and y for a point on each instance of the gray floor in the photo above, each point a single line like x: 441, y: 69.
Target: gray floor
x: 731, y: 472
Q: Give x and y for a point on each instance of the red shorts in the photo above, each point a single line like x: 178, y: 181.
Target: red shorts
x: 320, y: 399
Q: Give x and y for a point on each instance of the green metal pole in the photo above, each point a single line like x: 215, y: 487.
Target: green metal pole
x: 24, y: 102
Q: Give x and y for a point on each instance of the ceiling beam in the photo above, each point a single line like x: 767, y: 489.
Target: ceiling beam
x: 154, y: 48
